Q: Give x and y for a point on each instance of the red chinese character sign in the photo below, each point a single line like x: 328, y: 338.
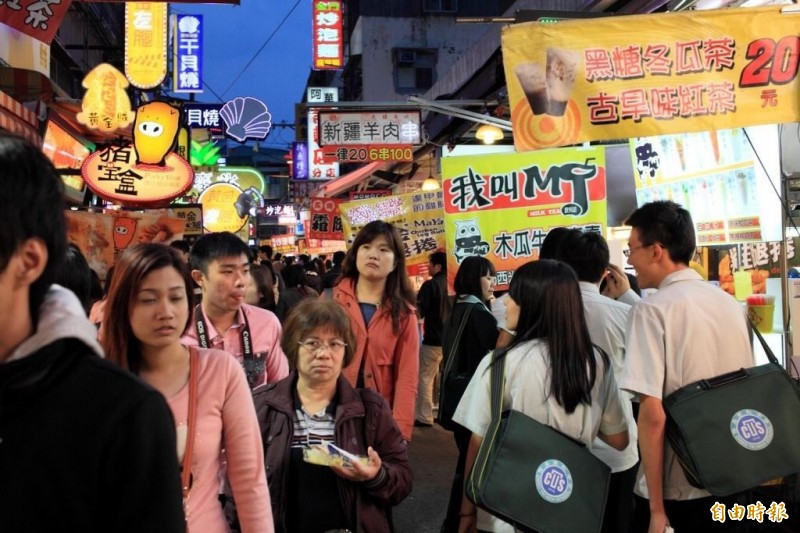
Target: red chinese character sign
x: 502, y: 206
x: 583, y: 80
x: 38, y: 18
x: 328, y: 41
x: 326, y: 222
x: 147, y: 173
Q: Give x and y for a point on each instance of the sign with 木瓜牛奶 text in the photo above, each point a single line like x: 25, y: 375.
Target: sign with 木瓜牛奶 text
x: 584, y: 80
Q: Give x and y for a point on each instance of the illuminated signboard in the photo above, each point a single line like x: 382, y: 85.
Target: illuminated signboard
x: 203, y: 116
x: 188, y: 54
x: 347, y: 128
x: 299, y: 161
x: 63, y: 149
x: 369, y: 153
x: 147, y: 173
x: 246, y: 118
x: 145, y: 43
x: 328, y: 41
x: 229, y: 196
x: 319, y: 167
x: 105, y: 106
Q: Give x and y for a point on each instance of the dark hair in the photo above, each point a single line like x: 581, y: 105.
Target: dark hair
x: 294, y: 276
x: 32, y: 205
x: 587, y: 254
x: 213, y: 246
x: 445, y: 302
x: 668, y: 224
x: 551, y: 241
x: 309, y: 315
x: 551, y: 308
x: 181, y: 245
x: 468, y: 277
x: 266, y: 249
x: 338, y: 257
x: 96, y: 292
x: 398, y: 293
x: 76, y: 276
x: 119, y: 342
x: 265, y: 283
x: 108, y: 281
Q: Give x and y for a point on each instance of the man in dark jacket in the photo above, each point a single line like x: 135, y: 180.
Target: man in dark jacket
x: 84, y: 445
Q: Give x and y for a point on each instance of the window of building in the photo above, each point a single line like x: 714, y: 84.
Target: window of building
x: 439, y: 6
x: 414, y: 69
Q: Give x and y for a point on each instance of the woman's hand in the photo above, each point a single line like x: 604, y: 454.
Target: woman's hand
x: 360, y: 473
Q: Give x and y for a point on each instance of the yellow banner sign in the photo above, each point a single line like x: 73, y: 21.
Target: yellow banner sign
x: 105, y: 106
x: 417, y: 216
x: 642, y: 75
x: 502, y: 206
x: 146, y: 43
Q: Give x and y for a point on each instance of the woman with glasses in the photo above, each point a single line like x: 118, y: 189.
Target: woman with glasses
x: 376, y: 294
x: 314, y: 406
x: 148, y: 309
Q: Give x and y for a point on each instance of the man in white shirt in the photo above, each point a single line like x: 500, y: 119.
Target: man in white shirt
x: 587, y: 253
x: 687, y: 331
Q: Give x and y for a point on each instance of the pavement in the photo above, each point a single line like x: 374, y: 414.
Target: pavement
x: 433, y: 454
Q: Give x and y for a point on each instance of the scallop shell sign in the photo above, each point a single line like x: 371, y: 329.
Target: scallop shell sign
x: 246, y: 118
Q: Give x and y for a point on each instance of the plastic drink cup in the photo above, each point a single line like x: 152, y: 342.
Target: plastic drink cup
x: 762, y: 316
x: 742, y: 284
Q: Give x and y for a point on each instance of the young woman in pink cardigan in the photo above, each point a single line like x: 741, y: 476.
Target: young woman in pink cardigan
x: 149, y: 307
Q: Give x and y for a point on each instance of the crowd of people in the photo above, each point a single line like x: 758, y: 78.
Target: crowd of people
x: 219, y: 387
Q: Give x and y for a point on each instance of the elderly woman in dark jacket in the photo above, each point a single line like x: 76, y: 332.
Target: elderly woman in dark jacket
x: 315, y: 405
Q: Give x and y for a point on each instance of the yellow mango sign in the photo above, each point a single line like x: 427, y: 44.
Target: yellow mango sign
x: 644, y: 75
x: 146, y: 43
x: 106, y: 106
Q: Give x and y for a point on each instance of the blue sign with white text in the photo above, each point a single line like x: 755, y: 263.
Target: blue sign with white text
x: 188, y: 54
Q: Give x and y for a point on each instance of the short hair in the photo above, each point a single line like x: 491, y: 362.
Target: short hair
x: 551, y: 241
x: 669, y: 224
x: 213, y: 246
x: 338, y: 257
x: 586, y: 252
x: 264, y: 279
x: 469, y: 274
x: 294, y: 276
x: 311, y: 314
x: 440, y: 259
x: 32, y: 204
x: 121, y: 345
x: 266, y: 249
x: 76, y: 276
x: 398, y: 286
x: 181, y: 245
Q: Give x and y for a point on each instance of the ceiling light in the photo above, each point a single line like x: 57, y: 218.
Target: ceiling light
x: 489, y: 134
x: 430, y: 183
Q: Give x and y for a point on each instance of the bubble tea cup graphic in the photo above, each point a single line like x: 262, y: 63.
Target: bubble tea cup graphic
x: 548, y: 89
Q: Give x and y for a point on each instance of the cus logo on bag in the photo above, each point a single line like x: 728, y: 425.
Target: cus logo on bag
x: 553, y: 481
x: 751, y: 429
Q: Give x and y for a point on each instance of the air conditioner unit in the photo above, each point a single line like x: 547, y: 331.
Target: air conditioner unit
x: 406, y: 56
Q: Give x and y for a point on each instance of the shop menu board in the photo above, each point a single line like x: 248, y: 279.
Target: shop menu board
x: 66, y: 152
x: 717, y: 176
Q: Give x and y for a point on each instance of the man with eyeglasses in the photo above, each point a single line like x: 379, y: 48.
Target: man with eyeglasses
x: 687, y: 331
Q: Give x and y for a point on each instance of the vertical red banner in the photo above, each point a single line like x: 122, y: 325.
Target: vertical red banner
x: 328, y: 39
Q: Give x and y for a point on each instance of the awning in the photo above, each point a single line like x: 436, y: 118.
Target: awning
x: 29, y: 85
x: 14, y: 117
x: 349, y: 180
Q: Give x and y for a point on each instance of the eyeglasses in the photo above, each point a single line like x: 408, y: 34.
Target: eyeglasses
x: 315, y: 346
x: 628, y: 251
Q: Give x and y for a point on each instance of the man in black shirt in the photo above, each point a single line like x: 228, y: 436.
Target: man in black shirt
x: 430, y: 301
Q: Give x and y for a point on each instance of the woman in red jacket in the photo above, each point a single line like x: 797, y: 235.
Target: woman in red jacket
x: 300, y: 415
x: 376, y: 294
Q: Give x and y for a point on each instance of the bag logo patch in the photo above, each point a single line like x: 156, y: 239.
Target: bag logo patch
x: 553, y: 481
x: 751, y: 429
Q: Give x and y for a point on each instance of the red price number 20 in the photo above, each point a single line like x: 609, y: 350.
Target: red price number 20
x: 771, y: 62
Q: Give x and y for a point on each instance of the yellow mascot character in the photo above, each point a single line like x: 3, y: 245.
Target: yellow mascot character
x: 155, y: 132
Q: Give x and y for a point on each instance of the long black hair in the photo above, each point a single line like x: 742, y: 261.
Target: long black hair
x: 551, y: 308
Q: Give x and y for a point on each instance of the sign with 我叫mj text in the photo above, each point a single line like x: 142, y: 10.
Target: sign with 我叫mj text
x: 328, y: 39
x: 502, y: 206
x: 37, y: 18
x: 584, y: 80
x: 145, y: 43
x: 349, y: 128
x: 188, y: 54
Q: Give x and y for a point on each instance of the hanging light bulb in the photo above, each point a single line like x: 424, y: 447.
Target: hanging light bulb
x: 489, y: 133
x: 430, y: 183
